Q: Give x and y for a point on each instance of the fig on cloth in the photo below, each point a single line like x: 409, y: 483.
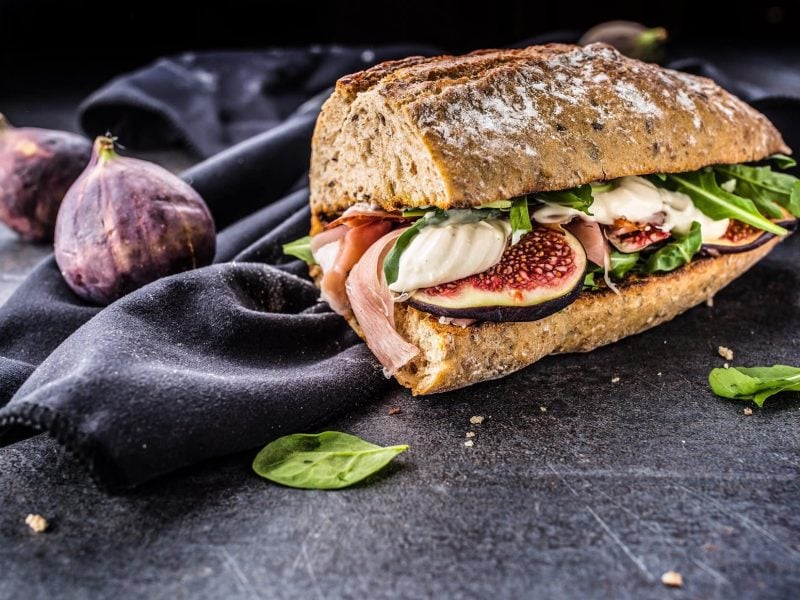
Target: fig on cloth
x: 37, y: 166
x: 126, y: 222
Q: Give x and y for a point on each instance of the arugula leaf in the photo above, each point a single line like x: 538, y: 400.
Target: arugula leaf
x: 622, y: 262
x: 579, y: 198
x: 782, y: 161
x: 520, y: 218
x: 589, y: 282
x: 764, y: 187
x: 754, y: 383
x: 713, y: 201
x: 301, y: 249
x: 676, y: 253
x: 324, y: 461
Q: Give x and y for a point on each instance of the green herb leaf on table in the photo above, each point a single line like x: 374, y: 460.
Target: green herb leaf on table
x: 520, y: 218
x: 300, y: 249
x: 713, y: 201
x: 579, y: 198
x: 754, y: 383
x: 324, y: 461
x: 766, y: 188
x: 676, y: 253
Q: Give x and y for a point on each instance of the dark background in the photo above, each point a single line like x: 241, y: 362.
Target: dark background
x: 42, y: 43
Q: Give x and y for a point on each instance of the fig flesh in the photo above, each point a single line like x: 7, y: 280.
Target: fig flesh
x: 126, y: 222
x: 741, y: 237
x: 536, y: 277
x: 630, y: 237
x: 37, y: 167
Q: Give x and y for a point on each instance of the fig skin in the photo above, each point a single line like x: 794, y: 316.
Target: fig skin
x: 127, y: 222
x: 37, y: 167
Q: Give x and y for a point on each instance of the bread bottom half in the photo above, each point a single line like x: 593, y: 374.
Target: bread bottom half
x: 452, y: 357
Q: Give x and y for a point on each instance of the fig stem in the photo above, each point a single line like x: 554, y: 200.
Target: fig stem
x: 104, y: 146
x: 650, y: 38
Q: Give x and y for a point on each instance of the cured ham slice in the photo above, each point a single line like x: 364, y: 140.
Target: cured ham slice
x: 373, y: 307
x: 352, y: 247
x: 591, y: 238
x: 362, y: 213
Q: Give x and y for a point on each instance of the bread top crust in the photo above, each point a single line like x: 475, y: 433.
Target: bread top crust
x: 495, y: 124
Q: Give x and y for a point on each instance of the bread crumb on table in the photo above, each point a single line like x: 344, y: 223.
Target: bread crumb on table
x: 672, y: 579
x: 468, y: 443
x: 543, y: 408
x: 394, y: 411
x: 725, y: 353
x: 476, y: 420
x: 470, y: 434
x: 37, y: 523
x: 615, y: 380
x: 748, y: 411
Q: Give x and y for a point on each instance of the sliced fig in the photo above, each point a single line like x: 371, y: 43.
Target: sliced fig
x: 628, y: 237
x: 536, y: 277
x: 741, y: 237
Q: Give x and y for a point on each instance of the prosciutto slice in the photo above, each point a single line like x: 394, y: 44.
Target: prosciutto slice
x: 352, y: 247
x: 591, y: 238
x: 372, y: 304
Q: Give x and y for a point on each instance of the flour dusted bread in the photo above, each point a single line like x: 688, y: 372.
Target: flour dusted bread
x: 460, y: 131
x: 457, y: 132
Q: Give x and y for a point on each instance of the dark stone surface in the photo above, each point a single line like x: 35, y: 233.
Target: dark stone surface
x: 596, y: 496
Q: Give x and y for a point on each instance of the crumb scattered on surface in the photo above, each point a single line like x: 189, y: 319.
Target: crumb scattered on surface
x: 470, y: 434
x: 543, y: 408
x: 659, y: 373
x: 725, y: 353
x: 727, y: 365
x: 476, y: 420
x: 748, y: 411
x: 468, y: 443
x: 37, y: 523
x: 394, y: 411
x: 615, y: 380
x: 710, y: 301
x: 672, y: 579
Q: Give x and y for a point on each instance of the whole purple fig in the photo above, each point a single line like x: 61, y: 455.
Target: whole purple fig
x: 37, y: 166
x: 126, y: 222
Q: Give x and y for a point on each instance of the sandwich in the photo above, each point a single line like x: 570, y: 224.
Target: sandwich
x: 472, y: 214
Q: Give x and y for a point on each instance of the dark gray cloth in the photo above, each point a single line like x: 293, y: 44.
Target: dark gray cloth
x: 221, y: 359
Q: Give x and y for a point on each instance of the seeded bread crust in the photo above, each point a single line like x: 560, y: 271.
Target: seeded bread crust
x: 460, y: 131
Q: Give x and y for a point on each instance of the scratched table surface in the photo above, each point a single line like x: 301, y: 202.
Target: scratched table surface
x: 578, y: 485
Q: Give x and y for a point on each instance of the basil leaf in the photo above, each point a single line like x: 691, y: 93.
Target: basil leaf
x: 324, y: 461
x: 676, y: 253
x: 782, y: 161
x: 391, y: 264
x: 520, y: 218
x: 301, y: 249
x: 713, y: 201
x: 754, y: 383
x: 622, y: 262
x: 579, y: 198
x: 764, y: 187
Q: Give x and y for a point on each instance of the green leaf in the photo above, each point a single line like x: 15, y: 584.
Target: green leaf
x: 754, y: 383
x: 782, y: 161
x: 324, y: 461
x: 301, y: 249
x: 764, y: 187
x: 589, y: 282
x: 713, y: 201
x: 794, y: 200
x: 579, y: 198
x: 520, y: 218
x: 676, y: 253
x: 622, y: 262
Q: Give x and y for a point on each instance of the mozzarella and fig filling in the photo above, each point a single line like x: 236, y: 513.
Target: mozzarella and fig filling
x: 524, y: 258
